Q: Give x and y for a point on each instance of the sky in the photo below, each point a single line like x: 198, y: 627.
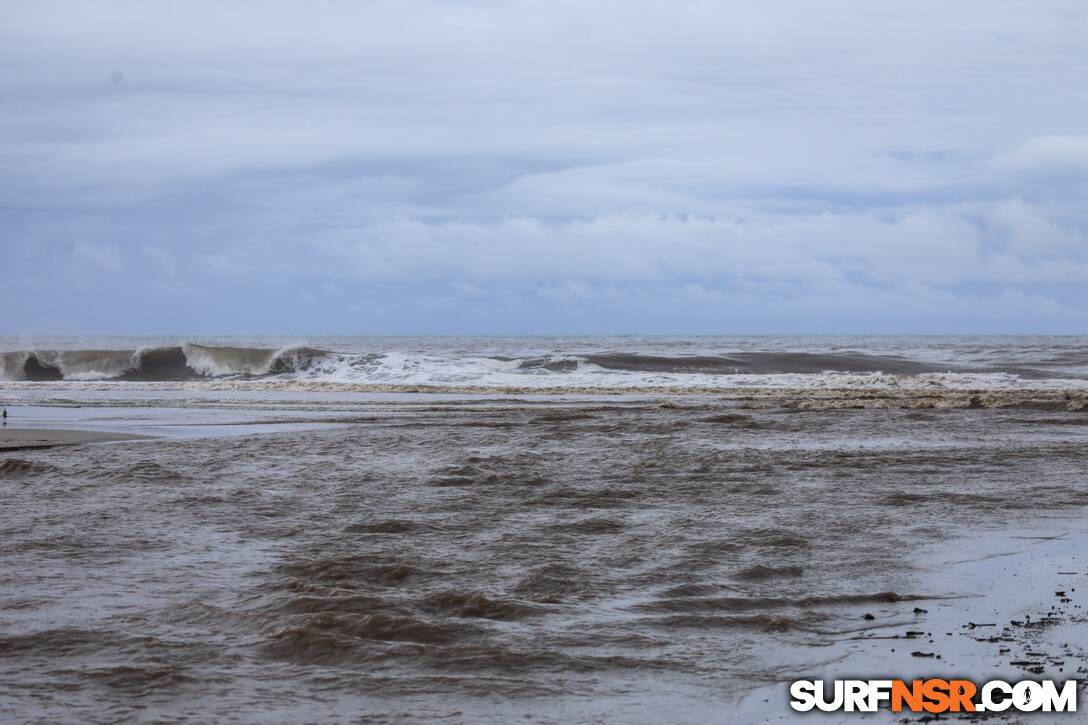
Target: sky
x: 555, y: 167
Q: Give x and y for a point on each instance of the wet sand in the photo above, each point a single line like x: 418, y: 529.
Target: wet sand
x: 18, y: 439
x: 1012, y: 609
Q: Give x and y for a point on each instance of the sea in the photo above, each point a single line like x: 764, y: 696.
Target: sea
x: 530, y: 363
x: 470, y: 529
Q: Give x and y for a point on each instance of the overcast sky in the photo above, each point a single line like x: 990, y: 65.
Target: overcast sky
x: 543, y: 167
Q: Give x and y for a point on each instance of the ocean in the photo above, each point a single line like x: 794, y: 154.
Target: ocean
x: 612, y: 529
x: 528, y: 363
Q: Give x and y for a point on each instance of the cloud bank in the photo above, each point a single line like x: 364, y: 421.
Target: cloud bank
x: 486, y: 167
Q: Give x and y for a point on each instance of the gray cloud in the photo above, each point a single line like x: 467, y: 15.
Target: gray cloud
x: 485, y: 166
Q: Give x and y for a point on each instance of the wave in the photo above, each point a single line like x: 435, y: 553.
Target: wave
x: 446, y: 369
x: 17, y: 468
x: 805, y: 363
x: 184, y: 362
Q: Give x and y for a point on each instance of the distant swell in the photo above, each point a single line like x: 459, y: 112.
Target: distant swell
x: 770, y: 363
x: 185, y: 362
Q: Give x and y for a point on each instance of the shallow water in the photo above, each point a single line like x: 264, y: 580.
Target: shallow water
x: 486, y: 559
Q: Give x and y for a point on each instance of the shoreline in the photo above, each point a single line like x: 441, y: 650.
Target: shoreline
x: 22, y: 439
x: 1004, y: 607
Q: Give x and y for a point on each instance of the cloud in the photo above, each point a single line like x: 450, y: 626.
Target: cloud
x: 1051, y: 152
x: 520, y: 167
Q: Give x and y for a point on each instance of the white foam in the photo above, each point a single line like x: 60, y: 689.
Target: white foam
x: 424, y: 370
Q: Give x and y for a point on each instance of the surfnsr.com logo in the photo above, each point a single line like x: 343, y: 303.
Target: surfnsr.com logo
x: 933, y: 696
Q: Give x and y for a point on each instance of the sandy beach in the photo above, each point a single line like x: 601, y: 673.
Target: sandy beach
x: 18, y: 439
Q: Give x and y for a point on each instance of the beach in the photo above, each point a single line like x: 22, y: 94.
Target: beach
x: 18, y: 439
x: 330, y: 555
x: 1011, y: 612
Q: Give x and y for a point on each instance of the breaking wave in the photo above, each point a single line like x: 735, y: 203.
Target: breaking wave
x: 450, y: 368
x: 184, y: 362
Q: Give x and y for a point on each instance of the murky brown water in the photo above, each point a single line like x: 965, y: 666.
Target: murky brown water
x: 591, y: 561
